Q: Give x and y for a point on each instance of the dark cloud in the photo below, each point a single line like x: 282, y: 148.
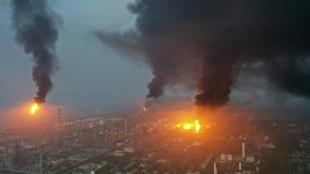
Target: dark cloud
x: 36, y: 30
x: 210, y: 40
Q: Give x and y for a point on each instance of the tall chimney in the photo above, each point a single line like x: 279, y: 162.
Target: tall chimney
x: 214, y: 168
x: 92, y: 170
x: 125, y: 126
x: 59, y: 116
x: 243, y: 150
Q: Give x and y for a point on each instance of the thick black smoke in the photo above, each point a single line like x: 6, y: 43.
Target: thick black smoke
x: 36, y: 30
x: 223, y: 35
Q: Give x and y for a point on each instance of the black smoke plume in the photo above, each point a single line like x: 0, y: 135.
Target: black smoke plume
x: 36, y: 30
x: 223, y: 36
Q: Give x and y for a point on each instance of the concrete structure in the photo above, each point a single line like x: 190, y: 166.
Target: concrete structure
x: 128, y: 149
x: 243, y: 150
x: 101, y: 122
x: 91, y: 125
x: 214, y: 168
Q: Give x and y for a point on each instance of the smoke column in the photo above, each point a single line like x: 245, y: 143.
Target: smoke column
x: 270, y: 37
x: 36, y: 30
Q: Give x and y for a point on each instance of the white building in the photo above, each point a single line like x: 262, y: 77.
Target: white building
x: 128, y: 149
x: 243, y: 150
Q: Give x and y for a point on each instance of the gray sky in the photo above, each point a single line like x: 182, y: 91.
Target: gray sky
x: 90, y: 75
x: 92, y: 78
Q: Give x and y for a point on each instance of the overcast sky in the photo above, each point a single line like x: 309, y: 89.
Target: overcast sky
x: 90, y: 75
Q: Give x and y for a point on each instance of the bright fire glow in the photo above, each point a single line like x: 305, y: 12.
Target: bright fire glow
x: 187, y: 126
x: 144, y: 108
x: 195, y: 126
x: 34, y: 108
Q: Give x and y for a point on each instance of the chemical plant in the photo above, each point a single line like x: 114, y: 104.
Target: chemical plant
x: 139, y: 141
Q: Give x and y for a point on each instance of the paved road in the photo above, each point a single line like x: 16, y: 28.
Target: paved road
x: 11, y: 171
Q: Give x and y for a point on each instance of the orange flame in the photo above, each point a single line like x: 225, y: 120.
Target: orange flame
x: 34, y: 108
x: 197, y: 126
x: 144, y: 108
x: 191, y: 126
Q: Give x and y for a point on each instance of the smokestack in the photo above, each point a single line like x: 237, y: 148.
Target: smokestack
x: 243, y: 150
x: 92, y: 171
x: 206, y: 44
x: 35, y: 25
x: 214, y: 168
x: 59, y: 116
x: 125, y: 126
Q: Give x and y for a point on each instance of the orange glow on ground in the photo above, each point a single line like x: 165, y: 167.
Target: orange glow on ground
x: 34, y: 108
x: 144, y: 108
